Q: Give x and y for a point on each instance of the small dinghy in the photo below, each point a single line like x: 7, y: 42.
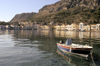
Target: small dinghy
x: 78, y: 49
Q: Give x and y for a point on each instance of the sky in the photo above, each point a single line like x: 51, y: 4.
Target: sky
x: 9, y: 8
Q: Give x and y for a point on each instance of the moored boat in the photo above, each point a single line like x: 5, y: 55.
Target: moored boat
x: 68, y: 46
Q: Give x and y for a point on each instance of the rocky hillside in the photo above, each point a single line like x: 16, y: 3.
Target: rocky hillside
x: 68, y: 11
x: 67, y: 4
x: 22, y: 17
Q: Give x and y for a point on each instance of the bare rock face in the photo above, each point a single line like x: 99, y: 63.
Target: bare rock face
x: 66, y: 4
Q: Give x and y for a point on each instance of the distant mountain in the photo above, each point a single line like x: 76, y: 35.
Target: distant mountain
x: 65, y: 11
x: 22, y: 17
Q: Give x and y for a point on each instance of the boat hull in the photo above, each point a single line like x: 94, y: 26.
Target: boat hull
x: 74, y: 50
x: 81, y: 51
x: 63, y: 48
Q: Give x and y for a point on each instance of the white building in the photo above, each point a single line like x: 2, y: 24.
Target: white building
x: 98, y: 26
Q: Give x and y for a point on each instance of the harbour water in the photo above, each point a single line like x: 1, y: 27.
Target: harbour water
x: 38, y: 48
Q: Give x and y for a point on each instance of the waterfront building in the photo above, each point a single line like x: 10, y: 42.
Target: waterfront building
x: 2, y: 27
x: 98, y: 26
x: 70, y: 27
x: 45, y: 27
x: 86, y: 27
x: 65, y: 27
x: 60, y: 27
x: 7, y: 26
x: 81, y: 25
x: 75, y: 26
x: 36, y: 26
x: 57, y: 27
x: 17, y: 27
x: 93, y: 27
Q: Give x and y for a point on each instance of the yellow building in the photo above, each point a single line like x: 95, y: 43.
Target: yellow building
x: 64, y: 27
x: 75, y: 26
x: 45, y: 27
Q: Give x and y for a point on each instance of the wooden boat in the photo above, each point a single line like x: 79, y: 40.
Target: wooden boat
x: 74, y: 48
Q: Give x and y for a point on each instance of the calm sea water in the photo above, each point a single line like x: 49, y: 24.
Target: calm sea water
x: 38, y: 48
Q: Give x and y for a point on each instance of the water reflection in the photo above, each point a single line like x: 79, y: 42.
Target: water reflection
x: 74, y: 60
x: 65, y: 34
x: 43, y: 42
x: 47, y: 36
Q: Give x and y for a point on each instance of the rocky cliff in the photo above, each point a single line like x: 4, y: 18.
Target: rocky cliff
x: 64, y: 11
x: 67, y: 4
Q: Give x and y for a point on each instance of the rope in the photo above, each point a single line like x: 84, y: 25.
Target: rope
x: 92, y: 59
